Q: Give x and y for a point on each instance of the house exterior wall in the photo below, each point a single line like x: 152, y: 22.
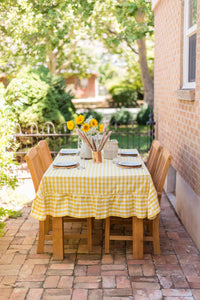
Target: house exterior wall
x: 154, y: 3
x: 177, y: 111
x: 80, y: 92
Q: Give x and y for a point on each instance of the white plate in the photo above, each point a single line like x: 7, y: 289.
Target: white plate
x: 65, y: 164
x: 68, y: 151
x: 128, y: 164
x: 129, y: 152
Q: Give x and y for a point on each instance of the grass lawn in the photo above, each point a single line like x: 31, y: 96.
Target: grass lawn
x: 137, y: 137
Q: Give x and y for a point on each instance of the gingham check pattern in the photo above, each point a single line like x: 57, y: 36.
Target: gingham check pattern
x: 101, y: 190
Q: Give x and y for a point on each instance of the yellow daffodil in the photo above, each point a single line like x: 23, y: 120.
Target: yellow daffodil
x: 86, y: 127
x: 70, y: 125
x: 80, y: 119
x: 93, y: 123
x: 100, y: 128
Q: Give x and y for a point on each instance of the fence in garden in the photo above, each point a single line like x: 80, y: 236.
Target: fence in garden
x: 128, y: 136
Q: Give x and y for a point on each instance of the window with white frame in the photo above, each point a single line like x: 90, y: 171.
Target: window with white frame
x: 189, y: 55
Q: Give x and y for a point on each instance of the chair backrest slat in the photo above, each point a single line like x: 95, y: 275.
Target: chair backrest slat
x: 35, y: 166
x: 153, y: 156
x: 45, y: 154
x: 161, y: 170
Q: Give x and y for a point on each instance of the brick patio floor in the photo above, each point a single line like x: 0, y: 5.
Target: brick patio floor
x: 81, y: 276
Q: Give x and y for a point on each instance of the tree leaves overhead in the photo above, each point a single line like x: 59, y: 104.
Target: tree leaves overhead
x: 124, y: 26
x: 56, y: 33
x: 41, y: 31
x: 126, y: 21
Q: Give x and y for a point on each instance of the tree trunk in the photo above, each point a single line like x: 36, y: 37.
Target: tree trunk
x: 146, y: 78
x: 51, y: 62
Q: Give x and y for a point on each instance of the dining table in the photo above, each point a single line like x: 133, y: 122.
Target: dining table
x: 100, y: 190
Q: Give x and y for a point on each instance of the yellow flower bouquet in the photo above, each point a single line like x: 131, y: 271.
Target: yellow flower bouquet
x: 90, y: 126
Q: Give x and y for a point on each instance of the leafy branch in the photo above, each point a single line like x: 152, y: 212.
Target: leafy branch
x: 7, y: 213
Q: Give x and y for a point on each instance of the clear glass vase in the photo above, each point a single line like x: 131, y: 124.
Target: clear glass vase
x: 85, y: 151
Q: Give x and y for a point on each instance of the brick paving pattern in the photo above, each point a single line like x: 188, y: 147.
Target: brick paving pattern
x: 81, y: 276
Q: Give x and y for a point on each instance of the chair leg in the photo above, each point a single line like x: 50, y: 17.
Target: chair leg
x: 138, y: 239
x: 156, y: 238
x: 48, y: 224
x: 40, y: 246
x: 58, y: 238
x: 89, y: 233
x: 107, y: 235
x: 149, y: 227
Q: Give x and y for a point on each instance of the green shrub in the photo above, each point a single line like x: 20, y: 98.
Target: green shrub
x: 7, y: 145
x: 4, y: 213
x: 123, y: 95
x: 7, y: 153
x: 95, y: 114
x: 121, y: 117
x: 37, y: 96
x: 63, y: 99
x: 143, y: 115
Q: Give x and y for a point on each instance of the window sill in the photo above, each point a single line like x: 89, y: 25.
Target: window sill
x: 185, y: 94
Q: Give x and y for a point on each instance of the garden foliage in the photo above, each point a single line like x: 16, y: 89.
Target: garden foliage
x: 94, y: 114
x: 4, y: 213
x: 121, y: 117
x: 143, y: 115
x: 7, y: 153
x: 37, y: 96
x: 7, y: 145
x: 124, y: 95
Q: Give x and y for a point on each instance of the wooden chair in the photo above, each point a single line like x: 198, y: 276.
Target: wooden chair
x: 34, y: 162
x: 45, y: 154
x: 153, y: 156
x: 159, y: 177
x: 46, y: 161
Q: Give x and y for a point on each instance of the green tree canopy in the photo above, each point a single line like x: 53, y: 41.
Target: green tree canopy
x: 56, y: 34
x: 43, y: 31
x: 124, y: 27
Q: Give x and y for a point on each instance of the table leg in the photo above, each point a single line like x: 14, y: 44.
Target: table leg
x: 107, y: 235
x: 89, y: 233
x: 137, y: 230
x: 58, y: 238
x: 40, y: 246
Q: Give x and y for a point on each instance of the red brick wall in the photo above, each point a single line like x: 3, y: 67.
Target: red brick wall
x: 177, y: 120
x: 80, y: 92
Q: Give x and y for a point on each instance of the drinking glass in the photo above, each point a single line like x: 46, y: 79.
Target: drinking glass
x: 80, y: 160
x: 117, y: 158
x: 82, y: 163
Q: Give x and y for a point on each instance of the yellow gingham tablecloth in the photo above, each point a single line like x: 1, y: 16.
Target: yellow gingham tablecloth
x: 100, y: 190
